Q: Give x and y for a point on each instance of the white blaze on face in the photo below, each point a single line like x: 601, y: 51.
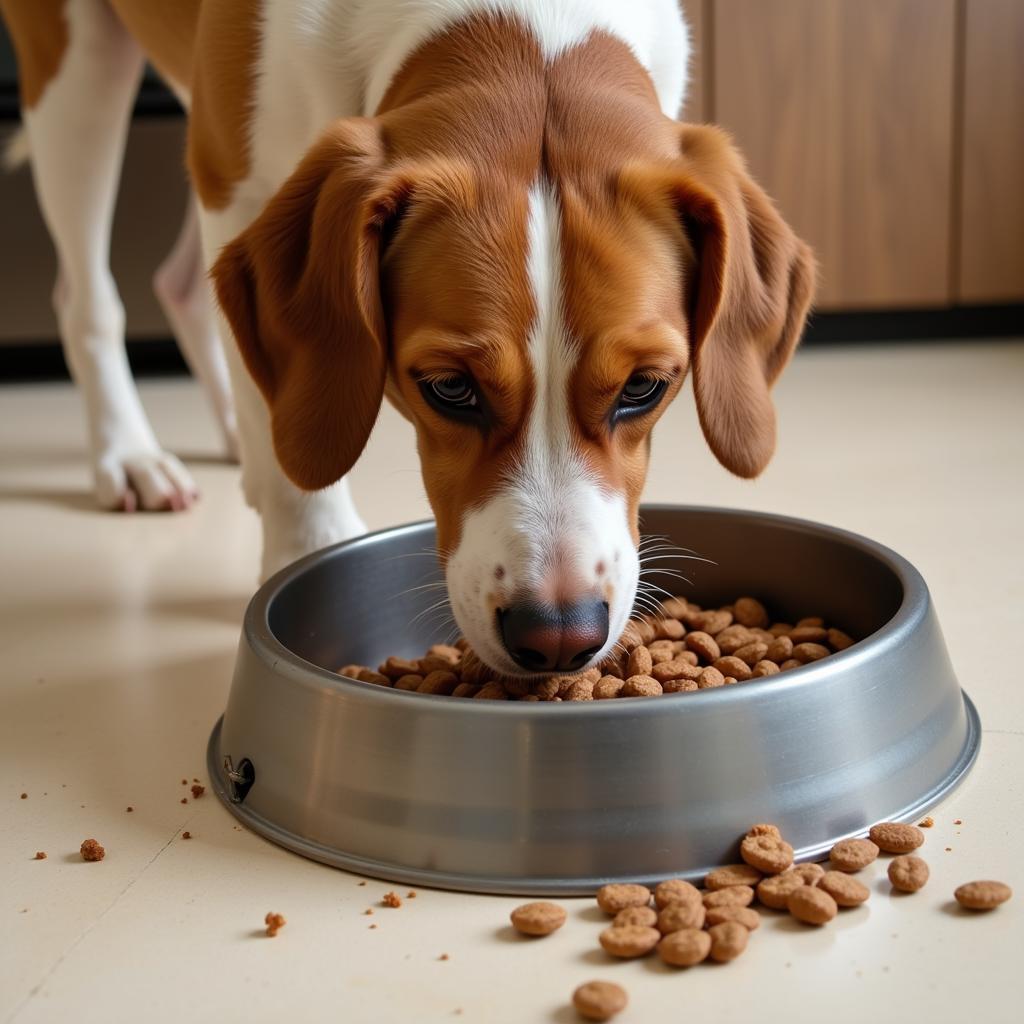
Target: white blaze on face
x: 552, y: 534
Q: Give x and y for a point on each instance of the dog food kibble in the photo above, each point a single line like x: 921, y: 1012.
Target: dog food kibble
x: 197, y: 791
x: 844, y: 888
x: 599, y: 1000
x: 734, y: 896
x: 746, y: 916
x: 677, y: 648
x: 811, y: 905
x: 851, y: 855
x: 908, y: 873
x: 728, y: 940
x: 538, y: 918
x: 645, y: 917
x: 274, y: 923
x: 617, y: 896
x: 40, y: 855
x: 774, y: 891
x: 91, y: 850
x: 186, y: 835
x: 732, y: 874
x: 630, y: 941
x: 677, y: 916
x: 982, y: 895
x: 895, y: 838
x: 675, y: 890
x: 810, y: 873
x: 770, y: 854
x: 392, y: 899
x: 685, y: 948
x: 928, y: 822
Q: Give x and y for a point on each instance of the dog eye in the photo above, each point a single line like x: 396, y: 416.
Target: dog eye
x: 453, y: 392
x: 640, y: 393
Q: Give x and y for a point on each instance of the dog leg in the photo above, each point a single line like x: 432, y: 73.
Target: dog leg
x: 76, y: 135
x: 181, y: 286
x: 295, y: 522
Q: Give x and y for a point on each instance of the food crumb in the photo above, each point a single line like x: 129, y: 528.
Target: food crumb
x: 373, y: 926
x: 391, y: 899
x: 91, y: 850
x: 368, y: 910
x: 957, y: 821
x: 184, y: 800
x: 362, y: 883
x: 411, y: 894
x: 184, y: 782
x: 129, y: 809
x: 40, y: 855
x: 928, y: 822
x: 444, y: 956
x: 195, y: 780
x: 24, y: 796
x: 274, y: 923
x: 186, y: 835
x: 949, y: 849
x: 197, y: 791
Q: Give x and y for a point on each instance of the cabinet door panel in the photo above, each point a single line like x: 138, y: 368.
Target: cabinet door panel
x: 991, y: 265
x: 844, y: 109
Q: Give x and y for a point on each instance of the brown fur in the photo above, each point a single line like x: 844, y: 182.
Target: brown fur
x: 39, y: 32
x: 166, y: 30
x: 668, y: 248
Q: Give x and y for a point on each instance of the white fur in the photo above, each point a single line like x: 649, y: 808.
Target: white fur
x: 558, y: 536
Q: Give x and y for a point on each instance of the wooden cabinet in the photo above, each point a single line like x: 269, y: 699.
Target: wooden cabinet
x: 991, y: 150
x: 845, y: 111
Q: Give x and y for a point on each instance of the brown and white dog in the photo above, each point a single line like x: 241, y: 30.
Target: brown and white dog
x: 482, y: 209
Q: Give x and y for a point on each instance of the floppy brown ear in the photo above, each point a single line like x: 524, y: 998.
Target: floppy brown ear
x: 300, y: 288
x: 747, y: 303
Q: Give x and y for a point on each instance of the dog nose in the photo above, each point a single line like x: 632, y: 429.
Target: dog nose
x: 542, y: 638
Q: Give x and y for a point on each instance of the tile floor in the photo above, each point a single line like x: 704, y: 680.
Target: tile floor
x: 117, y: 636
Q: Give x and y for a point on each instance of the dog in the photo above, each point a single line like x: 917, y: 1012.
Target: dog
x: 483, y: 210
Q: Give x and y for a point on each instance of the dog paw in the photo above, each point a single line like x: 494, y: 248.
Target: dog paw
x: 150, y: 481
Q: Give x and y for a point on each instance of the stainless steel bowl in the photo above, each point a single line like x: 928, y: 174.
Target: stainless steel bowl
x: 494, y: 796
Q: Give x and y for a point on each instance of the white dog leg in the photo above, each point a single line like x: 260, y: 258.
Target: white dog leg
x: 77, y: 135
x: 295, y: 522
x: 181, y: 285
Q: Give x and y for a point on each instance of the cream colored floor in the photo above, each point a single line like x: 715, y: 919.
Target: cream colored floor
x: 116, y: 643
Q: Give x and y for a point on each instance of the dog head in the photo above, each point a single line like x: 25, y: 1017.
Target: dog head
x: 533, y: 323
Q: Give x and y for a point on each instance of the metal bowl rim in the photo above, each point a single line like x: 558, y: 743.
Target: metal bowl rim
x: 913, y: 607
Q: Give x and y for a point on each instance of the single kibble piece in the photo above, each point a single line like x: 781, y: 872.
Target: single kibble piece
x: 641, y: 686
x: 728, y: 940
x: 619, y: 895
x: 40, y: 855
x: 765, y: 668
x: 274, y: 923
x: 908, y: 873
x: 732, y: 874
x: 734, y: 896
x: 896, y: 838
x: 639, y: 662
x: 685, y: 948
x: 644, y: 917
x: 810, y: 652
x: 186, y: 835
x: 599, y: 1000
x: 843, y: 888
x: 752, y: 653
x: 675, y: 890
x: 838, y: 640
x: 197, y: 791
x: 392, y: 899
x: 715, y: 621
x: 703, y: 645
x: 811, y: 905
x: 730, y: 665
x: 779, y: 650
x: 928, y: 822
x: 808, y: 635
x: 789, y: 664
x: 746, y: 916
x: 810, y: 872
x: 982, y: 895
x: 607, y: 687
x: 748, y: 611
x: 710, y: 678
x: 91, y: 850
x: 851, y: 855
x: 769, y: 854
x: 677, y: 916
x: 774, y: 891
x: 491, y: 691
x: 631, y: 941
x: 538, y: 918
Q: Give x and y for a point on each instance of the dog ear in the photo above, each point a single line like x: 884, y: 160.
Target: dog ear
x: 300, y: 288
x: 747, y: 301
